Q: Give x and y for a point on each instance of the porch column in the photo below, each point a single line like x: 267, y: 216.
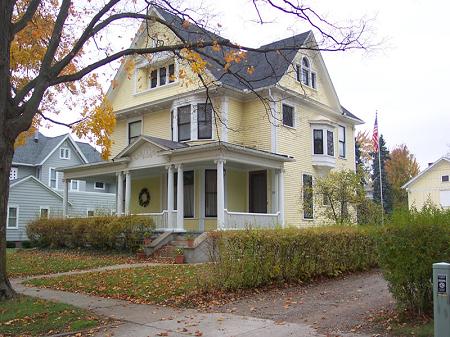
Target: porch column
x: 119, y: 208
x: 170, y: 199
x: 65, y: 197
x: 281, y: 196
x: 180, y: 198
x: 220, y: 195
x: 127, y: 192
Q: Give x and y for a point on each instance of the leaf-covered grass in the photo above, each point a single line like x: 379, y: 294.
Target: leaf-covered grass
x: 27, y: 316
x: 174, y: 284
x: 421, y: 329
x: 40, y: 262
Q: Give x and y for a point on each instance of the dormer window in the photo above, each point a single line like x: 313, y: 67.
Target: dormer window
x: 305, y: 75
x: 162, y: 76
x: 64, y: 153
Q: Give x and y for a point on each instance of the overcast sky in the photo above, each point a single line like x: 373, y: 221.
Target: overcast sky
x: 407, y: 80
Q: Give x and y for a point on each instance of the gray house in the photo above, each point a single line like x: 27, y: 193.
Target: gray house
x: 36, y: 186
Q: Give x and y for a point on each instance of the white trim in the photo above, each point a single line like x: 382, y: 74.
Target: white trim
x: 294, y: 124
x: 90, y: 210
x: 74, y: 144
x: 50, y: 178
x: 16, y: 169
x: 225, y: 107
x: 44, y: 207
x: 99, y: 188
x: 133, y: 120
x: 64, y: 151
x: 14, y: 163
x: 425, y: 171
x: 71, y: 189
x: 17, y: 216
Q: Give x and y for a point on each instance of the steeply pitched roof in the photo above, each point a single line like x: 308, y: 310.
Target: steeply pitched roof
x: 349, y: 114
x: 36, y: 150
x: 268, y: 67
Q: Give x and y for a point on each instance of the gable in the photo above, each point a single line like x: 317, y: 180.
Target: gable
x: 32, y: 188
x: 431, y: 178
x: 146, y: 154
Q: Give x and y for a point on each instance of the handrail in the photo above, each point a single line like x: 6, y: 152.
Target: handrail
x: 253, y: 214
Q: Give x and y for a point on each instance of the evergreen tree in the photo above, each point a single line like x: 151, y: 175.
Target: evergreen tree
x: 387, y: 190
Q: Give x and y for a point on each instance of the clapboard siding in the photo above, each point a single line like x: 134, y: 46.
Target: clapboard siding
x: 29, y: 207
x: 25, y: 171
x: 101, y: 203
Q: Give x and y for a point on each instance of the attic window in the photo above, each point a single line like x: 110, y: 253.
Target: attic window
x: 162, y: 76
x: 64, y: 153
x: 445, y: 179
x: 305, y: 75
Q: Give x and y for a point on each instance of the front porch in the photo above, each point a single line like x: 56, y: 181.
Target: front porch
x: 195, y: 188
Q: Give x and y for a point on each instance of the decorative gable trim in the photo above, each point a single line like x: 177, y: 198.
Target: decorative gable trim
x: 141, y: 140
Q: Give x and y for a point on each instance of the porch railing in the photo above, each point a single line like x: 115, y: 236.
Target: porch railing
x: 161, y: 220
x: 239, y: 220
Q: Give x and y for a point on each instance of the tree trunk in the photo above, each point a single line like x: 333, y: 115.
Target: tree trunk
x: 6, y: 154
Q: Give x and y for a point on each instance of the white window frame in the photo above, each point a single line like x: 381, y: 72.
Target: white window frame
x: 294, y: 124
x: 16, y: 170
x: 343, y: 142
x: 299, y: 73
x: 158, y: 71
x: 445, y: 181
x: 44, y: 207
x: 64, y: 153
x: 133, y: 120
x: 90, y: 210
x: 324, y: 129
x: 17, y: 216
x: 71, y: 186
x: 99, y: 188
x: 50, y: 178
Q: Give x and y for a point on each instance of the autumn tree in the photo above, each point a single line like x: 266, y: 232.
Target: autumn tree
x: 52, y: 53
x: 400, y: 168
x: 340, y: 192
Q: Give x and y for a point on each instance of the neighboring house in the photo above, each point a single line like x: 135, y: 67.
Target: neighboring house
x: 197, y: 165
x: 36, y: 183
x: 431, y: 185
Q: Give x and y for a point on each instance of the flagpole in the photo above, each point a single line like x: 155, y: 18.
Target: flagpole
x: 381, y: 179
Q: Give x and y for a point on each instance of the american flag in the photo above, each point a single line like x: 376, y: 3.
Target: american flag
x: 375, y: 134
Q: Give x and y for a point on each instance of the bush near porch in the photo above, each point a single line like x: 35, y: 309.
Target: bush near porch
x: 253, y: 258
x: 101, y: 232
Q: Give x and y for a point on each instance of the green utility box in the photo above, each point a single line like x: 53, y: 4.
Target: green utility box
x: 441, y: 298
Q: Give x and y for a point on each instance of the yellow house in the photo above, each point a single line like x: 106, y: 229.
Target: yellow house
x: 241, y: 151
x: 431, y: 185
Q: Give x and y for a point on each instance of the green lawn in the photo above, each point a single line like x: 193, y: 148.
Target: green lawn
x: 174, y: 284
x: 418, y: 329
x: 27, y: 316
x: 39, y: 262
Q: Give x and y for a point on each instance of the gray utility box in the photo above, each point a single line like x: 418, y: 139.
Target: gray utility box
x: 441, y: 299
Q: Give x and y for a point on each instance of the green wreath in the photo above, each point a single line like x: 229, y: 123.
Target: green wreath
x: 144, y: 197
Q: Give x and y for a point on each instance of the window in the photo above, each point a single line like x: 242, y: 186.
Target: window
x: 134, y: 131
x: 153, y: 78
x: 305, y: 75
x: 13, y: 173
x: 341, y: 135
x: 188, y: 189
x: 74, y: 185
x: 64, y: 153
x: 444, y: 179
x: 13, y: 217
x: 318, y: 141
x: 158, y: 77
x: 288, y: 115
x: 184, y: 123
x: 308, y: 203
x: 90, y: 213
x: 44, y: 212
x: 330, y: 143
x: 211, y: 193
x: 99, y: 185
x: 53, y: 180
x: 204, y: 121
x: 162, y: 76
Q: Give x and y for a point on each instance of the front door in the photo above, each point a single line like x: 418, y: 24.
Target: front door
x: 258, y: 192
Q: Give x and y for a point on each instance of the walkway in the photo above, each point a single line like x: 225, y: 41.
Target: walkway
x: 151, y: 320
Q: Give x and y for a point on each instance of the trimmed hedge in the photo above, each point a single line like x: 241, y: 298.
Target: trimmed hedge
x: 253, y: 258
x: 408, y: 247
x: 102, y: 232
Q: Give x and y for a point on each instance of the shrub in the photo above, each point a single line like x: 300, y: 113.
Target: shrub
x: 408, y: 247
x: 10, y: 244
x: 102, y: 232
x: 255, y: 258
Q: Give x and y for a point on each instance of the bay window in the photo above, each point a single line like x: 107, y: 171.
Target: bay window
x: 323, y: 141
x: 184, y: 122
x: 318, y: 141
x: 341, y: 135
x: 330, y: 143
x: 204, y: 120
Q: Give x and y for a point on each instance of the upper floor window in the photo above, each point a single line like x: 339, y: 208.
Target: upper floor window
x: 320, y: 143
x: 341, y: 136
x: 162, y: 76
x: 64, y: 153
x: 184, y: 122
x: 204, y: 120
x: 134, y: 131
x: 53, y: 178
x: 445, y: 179
x: 13, y: 173
x: 305, y: 75
x: 288, y: 115
x: 330, y: 143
